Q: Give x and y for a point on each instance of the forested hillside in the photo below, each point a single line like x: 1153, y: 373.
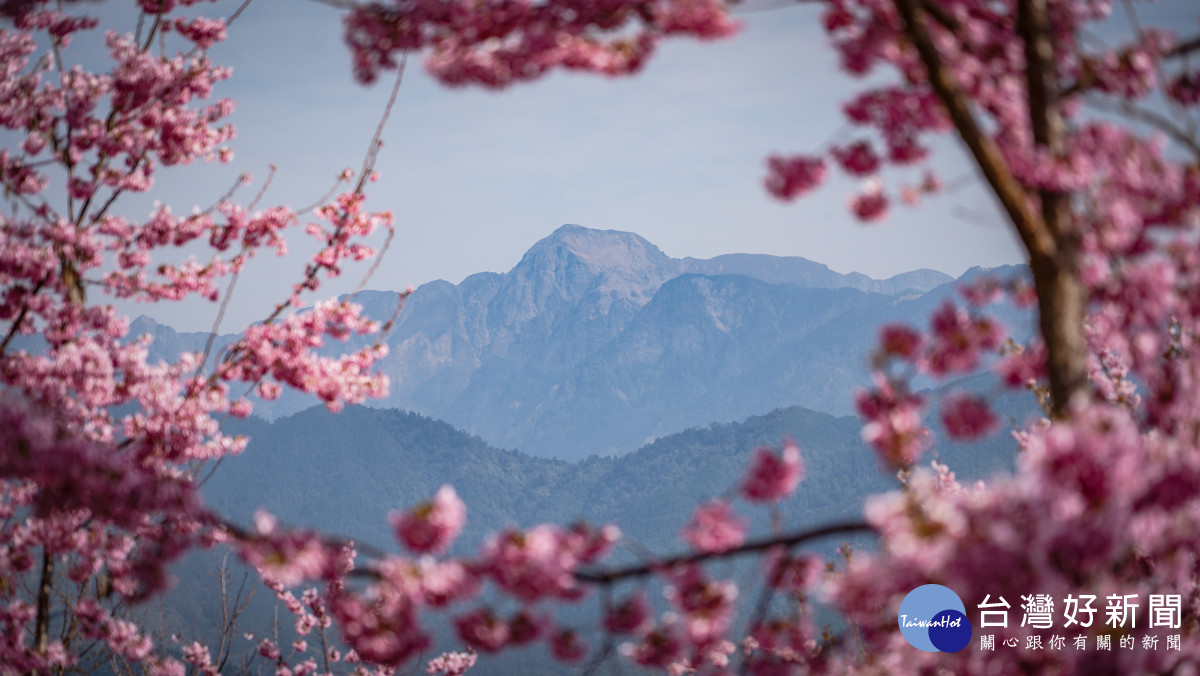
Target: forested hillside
x: 343, y: 473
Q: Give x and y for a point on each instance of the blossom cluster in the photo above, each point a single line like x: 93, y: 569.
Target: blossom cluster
x: 103, y: 448
x: 1120, y: 506
x: 1101, y: 497
x: 496, y: 44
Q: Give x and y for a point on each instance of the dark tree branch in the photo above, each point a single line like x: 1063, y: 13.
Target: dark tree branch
x: 607, y: 577
x: 15, y: 328
x: 1047, y: 236
x: 940, y: 15
x: 1012, y: 196
x: 1174, y: 106
x: 607, y: 650
x: 41, y: 636
x: 1062, y: 299
x: 1183, y: 48
x: 1086, y: 81
x: 1033, y: 22
x: 1144, y: 115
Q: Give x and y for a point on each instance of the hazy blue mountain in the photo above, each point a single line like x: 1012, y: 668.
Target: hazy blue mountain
x: 343, y: 473
x: 803, y: 272
x: 597, y: 342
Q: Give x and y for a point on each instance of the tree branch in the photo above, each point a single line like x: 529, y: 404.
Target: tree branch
x: 607, y: 577
x: 41, y: 634
x: 1033, y: 23
x: 1147, y: 116
x: 15, y: 328
x: 1062, y: 299
x: 940, y: 15
x: 1046, y: 235
x: 1183, y: 48
x: 983, y: 149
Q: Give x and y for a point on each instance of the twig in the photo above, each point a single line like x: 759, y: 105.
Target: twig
x: 42, y: 623
x: 19, y: 319
x: 1172, y: 105
x: 387, y: 243
x: 1151, y: 118
x: 1183, y: 48
x: 607, y: 577
x: 377, y: 138
x: 983, y: 149
x: 606, y: 651
x: 212, y: 335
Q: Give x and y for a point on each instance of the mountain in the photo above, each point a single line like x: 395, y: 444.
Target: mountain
x: 803, y: 272
x: 344, y: 473
x: 597, y: 342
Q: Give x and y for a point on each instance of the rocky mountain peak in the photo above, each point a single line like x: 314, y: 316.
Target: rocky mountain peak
x: 605, y: 251
x: 611, y: 262
x: 597, y: 340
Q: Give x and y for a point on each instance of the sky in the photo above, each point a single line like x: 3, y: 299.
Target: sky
x: 676, y: 154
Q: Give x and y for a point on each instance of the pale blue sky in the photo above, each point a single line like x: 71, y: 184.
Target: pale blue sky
x: 676, y: 154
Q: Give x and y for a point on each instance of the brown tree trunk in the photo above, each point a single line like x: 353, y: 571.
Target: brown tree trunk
x: 1062, y: 299
x: 1049, y: 236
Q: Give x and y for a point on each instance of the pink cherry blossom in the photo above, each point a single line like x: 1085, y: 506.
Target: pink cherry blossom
x: 432, y: 526
x: 773, y: 476
x: 453, y: 663
x: 629, y: 615
x: 899, y: 341
x: 967, y: 417
x: 894, y: 427
x: 789, y: 178
x: 714, y: 527
x: 959, y: 340
x: 857, y: 159
x: 869, y: 205
x: 657, y: 647
x: 566, y: 646
x: 481, y: 629
x: 535, y: 564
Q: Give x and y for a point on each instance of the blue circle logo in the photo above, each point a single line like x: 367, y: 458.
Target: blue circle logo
x: 932, y: 618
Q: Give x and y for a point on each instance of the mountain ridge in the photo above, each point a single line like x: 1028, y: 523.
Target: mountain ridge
x: 597, y: 342
x: 342, y: 474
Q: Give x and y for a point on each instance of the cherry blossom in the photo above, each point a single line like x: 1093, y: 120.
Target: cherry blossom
x: 452, y: 664
x: 967, y: 417
x: 714, y: 528
x: 773, y: 476
x: 433, y: 525
x: 790, y: 178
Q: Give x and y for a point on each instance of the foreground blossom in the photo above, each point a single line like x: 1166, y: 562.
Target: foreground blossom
x: 773, y: 476
x: 715, y: 527
x: 967, y: 417
x: 433, y: 525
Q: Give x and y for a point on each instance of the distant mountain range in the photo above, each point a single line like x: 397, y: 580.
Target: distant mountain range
x: 343, y: 473
x: 597, y: 342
